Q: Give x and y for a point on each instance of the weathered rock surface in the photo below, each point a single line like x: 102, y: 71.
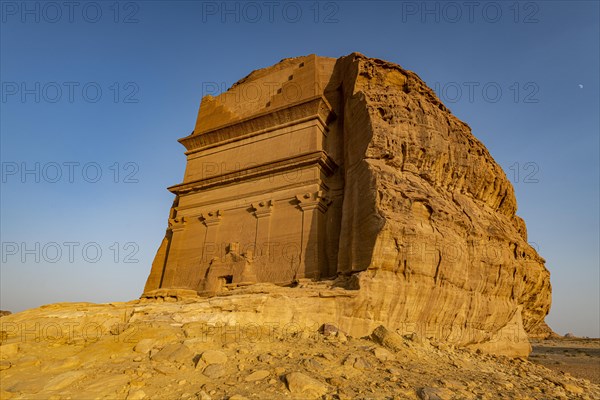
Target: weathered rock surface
x: 402, y: 203
x: 542, y: 331
x: 50, y: 354
x: 302, y: 384
x: 448, y: 246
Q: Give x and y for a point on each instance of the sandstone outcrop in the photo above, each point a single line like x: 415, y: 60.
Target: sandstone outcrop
x: 542, y: 331
x: 352, y: 169
x: 174, y: 350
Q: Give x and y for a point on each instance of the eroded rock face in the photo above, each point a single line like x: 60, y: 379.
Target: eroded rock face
x: 391, y: 193
x: 448, y: 246
x: 542, y: 331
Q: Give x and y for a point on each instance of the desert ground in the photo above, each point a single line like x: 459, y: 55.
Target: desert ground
x: 160, y: 357
x: 575, y: 356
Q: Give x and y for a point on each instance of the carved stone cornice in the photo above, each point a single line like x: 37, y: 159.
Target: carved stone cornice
x: 315, y: 107
x: 271, y: 168
x: 211, y: 218
x: 311, y: 201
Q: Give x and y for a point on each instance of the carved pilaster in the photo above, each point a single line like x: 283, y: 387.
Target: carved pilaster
x: 312, y: 258
x: 210, y: 247
x: 262, y: 210
x: 177, y: 227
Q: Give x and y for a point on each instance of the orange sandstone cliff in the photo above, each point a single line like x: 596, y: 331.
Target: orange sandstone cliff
x: 353, y: 171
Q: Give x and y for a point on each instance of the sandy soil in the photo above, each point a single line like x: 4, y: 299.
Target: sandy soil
x: 578, y: 357
x: 309, y: 366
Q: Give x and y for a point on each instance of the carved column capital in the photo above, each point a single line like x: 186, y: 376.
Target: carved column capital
x: 176, y: 223
x: 310, y: 201
x: 262, y: 209
x: 211, y: 218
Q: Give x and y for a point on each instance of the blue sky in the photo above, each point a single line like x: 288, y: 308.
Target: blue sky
x: 95, y: 95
